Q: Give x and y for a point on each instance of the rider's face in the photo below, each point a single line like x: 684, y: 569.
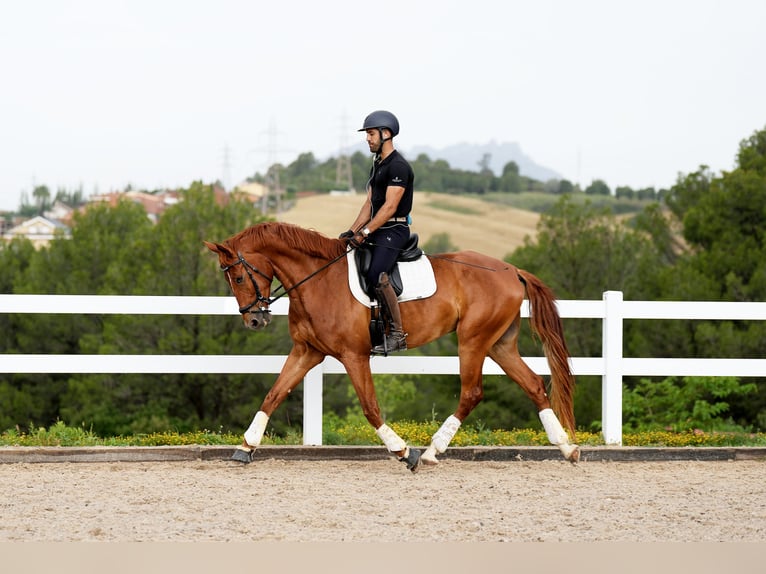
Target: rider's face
x: 373, y: 139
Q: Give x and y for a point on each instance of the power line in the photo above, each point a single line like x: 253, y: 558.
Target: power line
x: 274, y: 187
x: 343, y: 174
x: 226, y: 167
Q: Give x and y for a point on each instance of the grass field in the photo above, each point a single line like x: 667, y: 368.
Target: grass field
x: 470, y: 223
x: 340, y: 432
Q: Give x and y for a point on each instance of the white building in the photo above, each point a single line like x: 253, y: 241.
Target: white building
x: 39, y: 230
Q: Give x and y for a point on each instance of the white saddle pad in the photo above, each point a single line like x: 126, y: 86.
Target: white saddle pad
x: 418, y: 281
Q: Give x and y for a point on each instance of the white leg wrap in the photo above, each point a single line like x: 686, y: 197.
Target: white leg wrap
x: 254, y: 433
x: 429, y: 456
x: 392, y: 440
x: 440, y: 441
x: 556, y: 433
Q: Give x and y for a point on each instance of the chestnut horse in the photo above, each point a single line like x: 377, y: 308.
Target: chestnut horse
x: 477, y: 296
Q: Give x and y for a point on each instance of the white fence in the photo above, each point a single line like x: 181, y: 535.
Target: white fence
x: 611, y: 366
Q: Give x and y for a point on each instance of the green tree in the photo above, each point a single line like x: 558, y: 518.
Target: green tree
x: 688, y: 190
x: 15, y: 256
x: 597, y: 187
x: 724, y: 221
x: 102, y: 240
x: 175, y: 262
x: 74, y: 198
x: 42, y: 197
x: 117, y: 250
x: 565, y: 186
x: 723, y: 218
x: 439, y: 243
x: 647, y: 194
x: 581, y: 251
x: 691, y: 403
x: 15, y: 403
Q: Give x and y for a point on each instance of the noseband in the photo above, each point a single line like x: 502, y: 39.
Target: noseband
x: 250, y: 269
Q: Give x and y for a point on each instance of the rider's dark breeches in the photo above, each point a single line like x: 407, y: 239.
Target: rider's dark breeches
x: 386, y: 244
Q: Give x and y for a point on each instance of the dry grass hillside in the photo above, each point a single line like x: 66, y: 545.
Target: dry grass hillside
x: 470, y: 223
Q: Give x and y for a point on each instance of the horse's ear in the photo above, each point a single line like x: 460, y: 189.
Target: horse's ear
x: 218, y: 248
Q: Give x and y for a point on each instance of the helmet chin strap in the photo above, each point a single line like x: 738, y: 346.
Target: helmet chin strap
x: 382, y: 141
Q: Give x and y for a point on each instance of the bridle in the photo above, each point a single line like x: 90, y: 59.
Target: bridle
x: 250, y: 269
x: 259, y: 298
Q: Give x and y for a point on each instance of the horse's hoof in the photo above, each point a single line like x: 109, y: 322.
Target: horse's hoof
x: 572, y: 453
x: 575, y: 457
x: 412, y: 460
x: 243, y: 455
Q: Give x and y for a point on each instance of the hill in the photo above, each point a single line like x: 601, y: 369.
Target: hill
x: 468, y: 157
x: 470, y: 222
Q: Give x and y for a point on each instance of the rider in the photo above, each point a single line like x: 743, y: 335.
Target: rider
x: 383, y: 220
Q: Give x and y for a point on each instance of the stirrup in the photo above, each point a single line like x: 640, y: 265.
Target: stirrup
x: 391, y: 343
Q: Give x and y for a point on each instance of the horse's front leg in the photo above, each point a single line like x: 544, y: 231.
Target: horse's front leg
x: 300, y: 360
x: 358, y: 369
x: 471, y: 394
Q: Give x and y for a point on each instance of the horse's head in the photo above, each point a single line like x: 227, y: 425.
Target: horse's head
x: 250, y: 282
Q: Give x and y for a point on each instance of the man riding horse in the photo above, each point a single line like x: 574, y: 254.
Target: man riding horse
x: 479, y: 299
x: 383, y: 221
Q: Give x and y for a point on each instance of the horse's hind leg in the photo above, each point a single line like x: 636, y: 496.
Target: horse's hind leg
x: 505, y: 353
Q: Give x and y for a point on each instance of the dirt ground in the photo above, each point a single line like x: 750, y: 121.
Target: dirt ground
x: 471, y: 223
x: 380, y: 501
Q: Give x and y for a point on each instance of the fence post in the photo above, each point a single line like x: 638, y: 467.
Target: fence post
x: 611, y: 382
x: 312, y: 406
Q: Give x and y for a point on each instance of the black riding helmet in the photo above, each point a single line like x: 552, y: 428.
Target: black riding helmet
x: 381, y: 119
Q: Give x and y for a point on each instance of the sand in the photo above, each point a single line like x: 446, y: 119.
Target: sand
x: 380, y: 501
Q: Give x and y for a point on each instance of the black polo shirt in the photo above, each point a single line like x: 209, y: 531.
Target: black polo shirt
x: 394, y: 170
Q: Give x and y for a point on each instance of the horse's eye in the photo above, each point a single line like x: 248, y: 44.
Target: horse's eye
x: 239, y: 280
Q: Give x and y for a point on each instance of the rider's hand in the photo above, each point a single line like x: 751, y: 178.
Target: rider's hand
x: 357, y: 240
x: 346, y: 234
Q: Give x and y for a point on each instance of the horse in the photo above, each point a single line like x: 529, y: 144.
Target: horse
x: 477, y: 296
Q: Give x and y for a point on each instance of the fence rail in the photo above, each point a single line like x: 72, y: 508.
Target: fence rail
x: 611, y: 366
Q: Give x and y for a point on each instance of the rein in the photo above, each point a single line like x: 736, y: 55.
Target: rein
x: 267, y: 301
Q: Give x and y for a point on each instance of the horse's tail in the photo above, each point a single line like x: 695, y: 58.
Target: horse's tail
x: 546, y: 325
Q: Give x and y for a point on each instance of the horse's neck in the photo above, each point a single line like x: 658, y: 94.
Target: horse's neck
x: 290, y: 269
x: 292, y: 264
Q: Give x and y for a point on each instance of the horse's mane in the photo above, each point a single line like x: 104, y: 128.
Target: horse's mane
x: 291, y: 236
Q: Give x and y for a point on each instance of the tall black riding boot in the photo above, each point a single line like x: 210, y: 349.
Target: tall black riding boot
x: 396, y: 338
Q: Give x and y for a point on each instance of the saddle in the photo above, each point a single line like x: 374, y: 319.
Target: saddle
x: 363, y: 257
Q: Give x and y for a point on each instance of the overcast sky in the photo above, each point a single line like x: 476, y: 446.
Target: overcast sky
x: 101, y: 94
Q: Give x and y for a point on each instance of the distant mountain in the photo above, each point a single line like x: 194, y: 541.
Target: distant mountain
x: 468, y: 156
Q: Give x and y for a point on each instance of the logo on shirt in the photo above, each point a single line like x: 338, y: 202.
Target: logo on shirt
x: 396, y: 179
